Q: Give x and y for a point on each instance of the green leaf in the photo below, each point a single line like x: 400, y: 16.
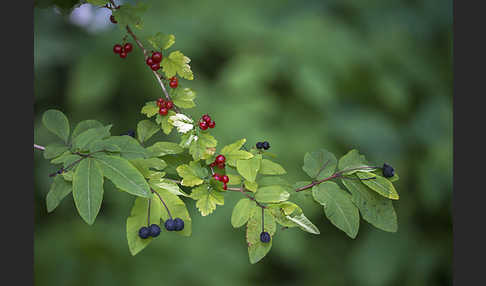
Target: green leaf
x: 98, y: 2
x: 234, y: 179
x: 271, y: 168
x: 271, y: 194
x: 54, y: 150
x: 66, y: 159
x: 351, y: 161
x: 379, y: 184
x: 56, y: 122
x: 150, y: 109
x: 129, y: 15
x: 90, y: 135
x: 304, y: 223
x: 88, y: 189
x: 192, y: 174
x: 184, y: 98
x: 274, y: 180
x: 164, y: 122
x: 257, y: 249
x: 177, y: 63
x: 177, y: 209
x: 145, y: 166
x: 207, y: 198
x: 249, y: 168
x: 85, y: 125
x: 289, y: 214
x: 123, y: 175
x: 203, y: 147
x: 252, y: 186
x: 373, y: 207
x: 173, y: 161
x: 102, y: 145
x: 129, y: 146
x: 170, y: 186
x: 160, y: 149
x: 320, y: 164
x: 146, y: 129
x: 60, y: 188
x: 241, y: 212
x: 138, y: 218
x: 233, y: 153
x: 338, y: 207
x: 161, y: 41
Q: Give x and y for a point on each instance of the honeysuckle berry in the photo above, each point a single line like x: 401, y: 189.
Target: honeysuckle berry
x: 169, y: 225
x: 388, y: 171
x: 225, y: 179
x: 163, y: 111
x: 128, y: 47
x: 178, y: 224
x: 112, y: 19
x: 144, y: 232
x: 157, y: 57
x: 265, y: 237
x: 266, y: 145
x: 169, y: 104
x: 203, y: 125
x: 155, y: 67
x: 211, y: 124
x: 154, y: 230
x: 259, y: 145
x: 220, y: 159
x: 123, y: 54
x: 117, y: 48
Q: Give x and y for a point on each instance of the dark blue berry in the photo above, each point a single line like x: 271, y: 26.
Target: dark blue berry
x: 130, y: 133
x: 144, y: 232
x: 169, y: 225
x: 266, y: 145
x: 154, y: 230
x: 259, y: 145
x: 265, y: 237
x: 388, y: 171
x: 179, y: 224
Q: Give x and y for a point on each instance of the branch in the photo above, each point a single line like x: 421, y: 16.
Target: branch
x: 39, y: 147
x: 244, y: 192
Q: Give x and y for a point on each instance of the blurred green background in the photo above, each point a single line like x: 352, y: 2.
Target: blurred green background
x: 303, y: 75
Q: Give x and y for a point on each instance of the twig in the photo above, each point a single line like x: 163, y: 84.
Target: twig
x: 39, y: 147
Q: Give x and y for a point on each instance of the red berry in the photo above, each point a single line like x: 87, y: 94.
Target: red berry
x: 211, y: 124
x: 221, y: 165
x: 128, y: 47
x: 149, y: 62
x: 123, y: 54
x: 160, y: 101
x: 155, y: 67
x: 203, y: 125
x: 169, y: 104
x: 163, y: 111
x: 157, y: 57
x: 173, y: 83
x: 117, y: 48
x: 216, y: 177
x: 225, y: 187
x: 225, y: 179
x: 212, y: 164
x: 220, y: 159
x: 206, y: 118
x: 112, y: 19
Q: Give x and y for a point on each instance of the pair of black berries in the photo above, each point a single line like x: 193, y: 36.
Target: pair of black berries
x: 263, y: 145
x: 388, y: 171
x: 153, y: 230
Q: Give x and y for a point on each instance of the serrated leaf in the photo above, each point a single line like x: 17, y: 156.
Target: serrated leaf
x: 160, y: 149
x: 320, y: 164
x: 379, y: 184
x: 123, y: 175
x: 177, y: 208
x: 54, y: 150
x: 192, y: 174
x: 129, y: 15
x: 146, y: 129
x: 207, y: 198
x: 184, y: 97
x: 85, y: 125
x: 241, y: 212
x: 56, y: 122
x: 150, y: 109
x: 271, y: 194
x: 139, y: 218
x: 60, y: 188
x: 249, y: 168
x: 164, y: 122
x: 161, y: 41
x: 233, y: 153
x: 373, y: 207
x: 88, y: 189
x: 351, y: 161
x: 271, y: 168
x: 90, y: 135
x: 177, y: 63
x: 204, y: 147
x: 130, y: 148
x: 338, y: 207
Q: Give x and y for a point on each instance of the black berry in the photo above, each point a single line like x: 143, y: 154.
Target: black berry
x: 130, y: 133
x: 266, y: 145
x: 388, y: 171
x: 154, y: 230
x: 265, y: 237
x: 144, y: 232
x: 170, y: 225
x: 259, y: 145
x: 179, y: 224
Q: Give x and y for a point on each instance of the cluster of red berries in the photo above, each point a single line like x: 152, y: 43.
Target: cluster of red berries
x: 173, y: 82
x: 154, y: 61
x: 164, y: 106
x: 219, y: 161
x: 222, y: 178
x: 122, y: 50
x: 206, y: 122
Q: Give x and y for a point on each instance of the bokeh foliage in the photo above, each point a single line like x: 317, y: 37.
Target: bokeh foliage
x: 303, y: 75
